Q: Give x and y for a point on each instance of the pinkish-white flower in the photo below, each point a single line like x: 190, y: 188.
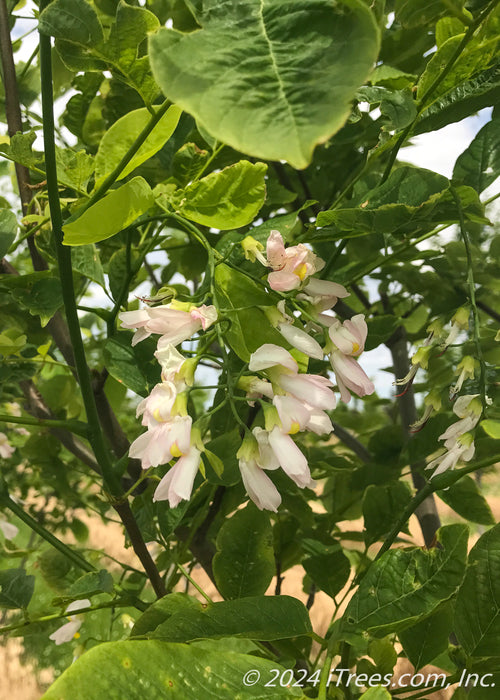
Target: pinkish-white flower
x: 259, y: 486
x: 290, y: 265
x: 270, y: 355
x: 177, y: 484
x: 301, y: 340
x: 311, y: 388
x: 157, y: 407
x: 350, y: 376
x: 174, y: 325
x: 290, y: 458
x: 293, y: 414
x: 161, y: 443
x: 8, y: 530
x: 350, y: 336
x: 6, y: 449
x: 462, y: 450
x: 69, y: 630
x: 323, y: 294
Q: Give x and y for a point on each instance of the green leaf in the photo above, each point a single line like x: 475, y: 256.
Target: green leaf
x: 42, y: 299
x: 8, y: 230
x: 111, y: 214
x: 267, y: 94
x: 263, y: 618
x: 227, y: 199
x: 12, y: 341
x: 477, y: 610
x: 378, y: 692
x: 413, y: 13
x: 74, y: 169
x: 382, y: 506
x: 466, y: 500
x: 398, y: 106
x: 85, y: 259
x: 161, y: 610
x: 380, y: 329
x: 427, y: 639
x: 20, y: 149
x: 74, y: 21
x: 244, y: 563
x: 91, y: 584
x: 237, y: 297
x: 329, y: 571
x: 16, y: 588
x: 157, y: 670
x: 491, y: 428
x: 473, y: 58
x: 188, y: 162
x: 123, y: 363
x: 123, y: 133
x: 405, y: 585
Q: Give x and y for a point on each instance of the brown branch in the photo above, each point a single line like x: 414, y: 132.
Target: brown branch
x: 426, y: 513
x: 351, y: 442
x: 488, y: 310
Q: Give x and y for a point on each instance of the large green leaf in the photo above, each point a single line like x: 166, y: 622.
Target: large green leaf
x: 262, y: 617
x: 466, y: 500
x: 157, y: 670
x: 329, y: 570
x: 238, y: 297
x: 477, y: 610
x: 8, y: 230
x: 42, y: 299
x: 122, y: 135
x: 16, y: 588
x: 244, y: 563
x: 382, y: 506
x: 227, y: 199
x: 72, y: 20
x: 269, y: 78
x: 427, y: 639
x: 413, y: 13
x: 111, y: 214
x: 479, y: 165
x: 406, y: 585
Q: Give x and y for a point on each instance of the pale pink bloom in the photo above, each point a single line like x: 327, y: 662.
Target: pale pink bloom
x: 290, y: 265
x: 171, y: 362
x: 323, y: 294
x: 136, y: 319
x: 463, y: 451
x: 266, y: 458
x: 6, y: 449
x: 9, y: 531
x: 270, y: 355
x: 159, y: 444
x: 68, y: 631
x: 291, y: 459
x: 350, y: 376
x: 177, y: 484
x: 174, y: 325
x: 301, y: 340
x: 293, y: 414
x: 259, y: 486
x: 156, y: 408
x: 350, y: 336
x: 312, y: 388
x: 255, y: 388
x: 319, y: 422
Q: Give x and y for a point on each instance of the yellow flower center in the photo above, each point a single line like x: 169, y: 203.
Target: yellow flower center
x: 294, y: 428
x: 301, y: 271
x: 355, y: 347
x: 174, y: 450
x: 76, y: 635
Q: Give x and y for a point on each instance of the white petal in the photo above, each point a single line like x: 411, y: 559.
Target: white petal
x: 66, y: 632
x: 301, y: 340
x: 9, y: 530
x: 259, y: 486
x: 292, y: 461
x: 270, y: 355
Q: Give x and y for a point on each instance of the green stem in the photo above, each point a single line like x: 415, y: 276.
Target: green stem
x: 436, y: 483
x: 74, y: 426
x: 95, y: 435
x: 191, y: 580
x: 77, y: 559
x: 113, y: 176
x: 472, y: 298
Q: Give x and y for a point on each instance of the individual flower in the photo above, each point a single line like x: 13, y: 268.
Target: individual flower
x: 253, y: 250
x: 322, y: 294
x: 350, y: 376
x: 9, y: 530
x: 290, y: 458
x: 462, y: 450
x: 297, y: 337
x: 255, y: 388
x: 290, y: 265
x: 6, y: 449
x: 157, y: 407
x: 69, y: 631
x: 419, y: 359
x: 161, y: 443
x: 432, y: 402
x: 172, y: 322
x: 459, y: 323
x: 465, y: 369
x: 350, y: 336
x: 258, y: 485
x: 177, y: 484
